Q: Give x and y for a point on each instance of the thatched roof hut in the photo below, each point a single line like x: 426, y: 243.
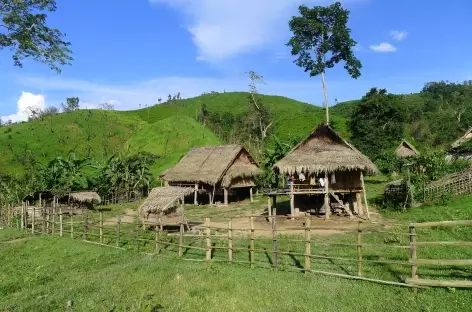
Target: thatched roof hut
x: 324, y: 151
x: 405, y: 149
x: 85, y: 197
x: 214, y: 165
x: 160, y: 199
x: 462, y: 140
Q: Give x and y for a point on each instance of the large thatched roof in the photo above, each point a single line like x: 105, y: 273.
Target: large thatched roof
x: 86, y: 197
x: 163, y: 198
x: 212, y: 165
x: 324, y: 150
x: 405, y: 149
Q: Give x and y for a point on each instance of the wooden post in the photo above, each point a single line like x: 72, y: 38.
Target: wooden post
x: 195, y: 198
x: 136, y: 237
x: 40, y: 200
x: 414, y: 267
x: 274, y: 239
x: 251, y: 195
x: 360, y: 210
x: 118, y: 226
x: 33, y: 216
x: 230, y: 241
x: 85, y: 223
x: 365, y: 196
x: 210, y: 200
x: 359, y: 249
x: 327, y: 206
x: 225, y: 193
x: 71, y: 212
x: 22, y: 222
x: 48, y: 219
x: 101, y: 227
x: 61, y: 225
x: 43, y: 219
x: 251, y: 245
x: 307, y: 245
x: 156, y: 235
x: 208, y: 239
x: 53, y: 218
x: 181, y: 239
x: 292, y: 202
x: 269, y: 209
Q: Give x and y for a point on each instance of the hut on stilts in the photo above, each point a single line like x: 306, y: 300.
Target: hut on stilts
x: 406, y: 149
x: 326, y: 173
x: 214, y: 170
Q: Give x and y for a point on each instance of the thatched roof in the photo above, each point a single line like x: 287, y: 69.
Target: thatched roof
x: 89, y: 197
x: 405, y: 149
x: 464, y: 139
x: 213, y: 165
x: 324, y: 150
x: 163, y: 198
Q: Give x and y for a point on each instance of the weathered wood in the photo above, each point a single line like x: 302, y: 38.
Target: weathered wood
x: 414, y: 267
x: 195, y: 195
x: 225, y: 191
x: 274, y: 239
x: 442, y: 223
x: 292, y: 202
x: 101, y: 227
x: 439, y: 283
x: 33, y: 217
x: 269, y: 209
x: 360, y: 210
x: 365, y: 196
x: 307, y: 245
x: 208, y: 239
x: 156, y: 235
x: 181, y: 239
x: 251, y: 242
x: 53, y: 225
x: 118, y: 230
x: 468, y: 244
x: 22, y: 215
x: 251, y: 195
x: 61, y: 224
x: 359, y: 249
x: 230, y: 241
x: 442, y: 261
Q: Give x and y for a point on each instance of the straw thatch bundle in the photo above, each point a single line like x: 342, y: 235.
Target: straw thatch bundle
x: 86, y: 197
x: 160, y: 199
x: 324, y: 151
x: 405, y: 149
x: 213, y: 164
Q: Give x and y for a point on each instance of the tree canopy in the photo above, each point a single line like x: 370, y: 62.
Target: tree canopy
x: 24, y: 30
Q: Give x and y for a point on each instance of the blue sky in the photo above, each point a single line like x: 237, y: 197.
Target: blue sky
x: 130, y: 53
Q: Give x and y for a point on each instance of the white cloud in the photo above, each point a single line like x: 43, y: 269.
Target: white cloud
x: 383, y: 47
x: 222, y: 29
x: 26, y: 102
x: 398, y: 35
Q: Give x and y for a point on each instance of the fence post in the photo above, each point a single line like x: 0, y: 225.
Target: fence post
x: 307, y: 245
x: 71, y: 212
x: 359, y: 249
x: 136, y: 237
x: 156, y: 236
x: 61, y: 224
x: 414, y: 267
x: 22, y: 222
x: 85, y: 223
x: 251, y: 245
x: 230, y: 240
x: 208, y: 239
x: 48, y: 218
x: 118, y: 225
x: 53, y: 226
x: 33, y: 214
x: 274, y: 239
x: 181, y: 239
x: 101, y: 227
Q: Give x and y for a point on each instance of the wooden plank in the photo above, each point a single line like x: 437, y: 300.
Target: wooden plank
x: 442, y: 261
x: 439, y: 283
x: 442, y: 223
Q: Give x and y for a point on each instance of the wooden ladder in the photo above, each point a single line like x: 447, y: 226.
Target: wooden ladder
x: 342, y: 204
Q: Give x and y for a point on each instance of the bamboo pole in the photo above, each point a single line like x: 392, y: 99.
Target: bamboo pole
x: 439, y: 283
x: 156, y: 235
x: 53, y: 218
x: 230, y: 241
x: 359, y: 249
x: 208, y: 239
x: 365, y: 196
x: 442, y: 223
x: 327, y: 206
x: 292, y: 202
x: 181, y: 239
x: 414, y: 267
x: 307, y: 245
x: 48, y: 220
x: 43, y: 219
x: 61, y: 224
x: 251, y: 244
x: 118, y: 225
x: 22, y: 215
x: 101, y: 227
x: 33, y: 217
x: 274, y: 239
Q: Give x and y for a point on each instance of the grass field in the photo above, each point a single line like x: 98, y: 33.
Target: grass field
x: 43, y: 273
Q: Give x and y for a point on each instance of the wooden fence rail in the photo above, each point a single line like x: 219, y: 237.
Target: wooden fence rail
x: 138, y: 235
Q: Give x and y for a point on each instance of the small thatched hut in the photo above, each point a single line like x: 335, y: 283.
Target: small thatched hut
x: 462, y: 147
x: 88, y: 198
x: 325, y: 164
x: 161, y: 199
x: 214, y: 170
x: 405, y: 149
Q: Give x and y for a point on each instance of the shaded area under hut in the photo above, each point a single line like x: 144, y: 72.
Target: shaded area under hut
x: 406, y: 149
x: 325, y: 173
x: 214, y: 171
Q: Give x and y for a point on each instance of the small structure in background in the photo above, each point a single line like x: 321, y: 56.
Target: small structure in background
x: 406, y: 149
x: 462, y: 147
x: 85, y: 198
x: 325, y: 167
x: 161, y: 200
x: 214, y: 170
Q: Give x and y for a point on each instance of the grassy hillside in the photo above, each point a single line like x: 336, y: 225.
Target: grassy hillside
x: 170, y: 139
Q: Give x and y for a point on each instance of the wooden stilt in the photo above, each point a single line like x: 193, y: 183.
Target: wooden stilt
x: 360, y: 210
x: 327, y: 206
x: 250, y: 195
x: 365, y: 196
x: 225, y: 193
x: 195, y: 198
x: 269, y: 209
x: 292, y: 202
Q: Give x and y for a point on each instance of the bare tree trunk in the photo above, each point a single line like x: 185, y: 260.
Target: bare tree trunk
x: 325, y: 91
